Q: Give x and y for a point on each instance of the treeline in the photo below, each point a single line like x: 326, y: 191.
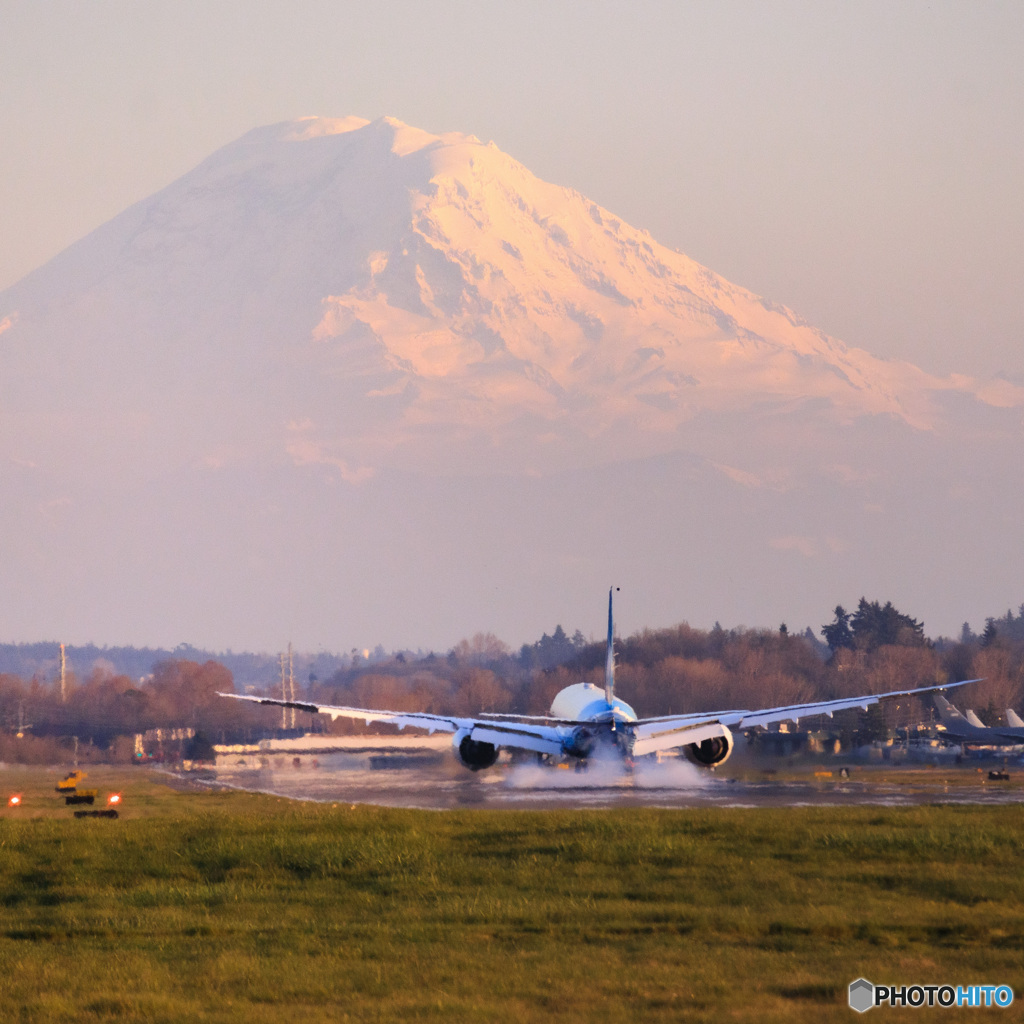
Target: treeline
x: 873, y: 649
x: 42, y: 660
x: 99, y: 716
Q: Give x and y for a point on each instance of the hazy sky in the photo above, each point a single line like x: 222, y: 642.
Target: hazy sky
x: 862, y: 163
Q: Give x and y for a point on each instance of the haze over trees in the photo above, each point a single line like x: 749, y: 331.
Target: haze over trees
x: 874, y: 649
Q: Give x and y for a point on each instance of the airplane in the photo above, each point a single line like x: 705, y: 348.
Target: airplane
x: 585, y: 721
x: 970, y: 729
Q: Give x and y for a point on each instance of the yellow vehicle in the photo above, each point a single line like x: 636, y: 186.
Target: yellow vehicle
x: 70, y: 781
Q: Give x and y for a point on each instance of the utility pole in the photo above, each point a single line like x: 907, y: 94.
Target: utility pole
x: 22, y: 726
x: 63, y: 678
x: 291, y: 682
x: 284, y: 695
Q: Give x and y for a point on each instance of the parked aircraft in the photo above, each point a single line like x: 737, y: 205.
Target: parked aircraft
x: 971, y: 730
x: 586, y: 719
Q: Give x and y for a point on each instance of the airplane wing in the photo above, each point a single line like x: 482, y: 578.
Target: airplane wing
x: 546, y: 735
x: 526, y: 735
x: 654, y: 734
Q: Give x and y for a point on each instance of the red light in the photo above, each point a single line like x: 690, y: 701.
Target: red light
x: 15, y: 800
x: 114, y: 798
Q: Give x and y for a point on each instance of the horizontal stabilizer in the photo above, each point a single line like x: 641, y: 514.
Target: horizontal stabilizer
x: 650, y: 738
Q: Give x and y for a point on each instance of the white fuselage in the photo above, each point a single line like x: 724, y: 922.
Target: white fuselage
x: 585, y: 702
x: 601, y: 722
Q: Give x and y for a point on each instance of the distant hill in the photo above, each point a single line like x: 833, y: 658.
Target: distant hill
x: 42, y: 661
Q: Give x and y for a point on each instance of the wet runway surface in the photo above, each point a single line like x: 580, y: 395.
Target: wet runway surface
x: 433, y: 779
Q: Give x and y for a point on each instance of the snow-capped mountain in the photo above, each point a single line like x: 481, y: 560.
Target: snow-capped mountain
x: 366, y: 294
x: 325, y: 301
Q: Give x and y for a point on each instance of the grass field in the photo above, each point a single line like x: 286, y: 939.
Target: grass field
x: 242, y: 907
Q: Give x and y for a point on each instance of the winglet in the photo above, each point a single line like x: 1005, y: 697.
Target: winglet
x: 609, y: 662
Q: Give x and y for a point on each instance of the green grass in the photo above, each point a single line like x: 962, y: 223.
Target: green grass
x: 240, y: 907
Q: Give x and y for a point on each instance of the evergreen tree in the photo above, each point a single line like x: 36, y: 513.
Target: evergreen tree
x: 550, y: 651
x: 991, y: 632
x: 875, y: 625
x: 837, y: 633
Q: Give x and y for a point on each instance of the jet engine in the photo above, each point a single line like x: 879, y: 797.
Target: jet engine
x: 474, y: 754
x: 710, y: 752
x: 580, y: 742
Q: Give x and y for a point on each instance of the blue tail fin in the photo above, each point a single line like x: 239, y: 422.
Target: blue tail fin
x: 609, y: 664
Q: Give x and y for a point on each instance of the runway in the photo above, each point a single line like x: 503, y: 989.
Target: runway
x: 431, y: 778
